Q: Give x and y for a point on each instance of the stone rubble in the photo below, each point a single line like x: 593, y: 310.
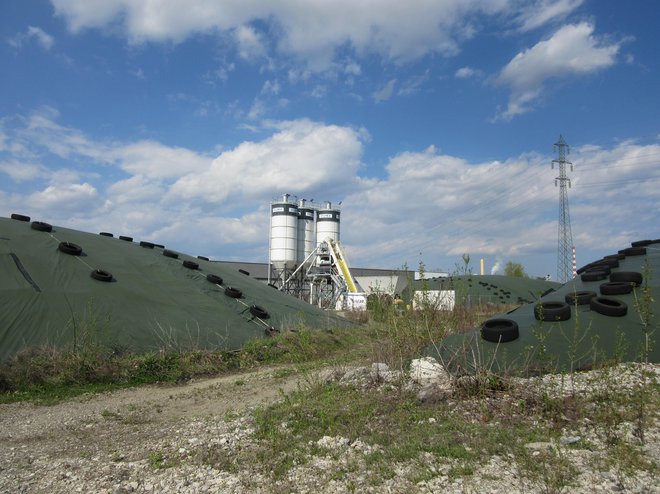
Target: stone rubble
x: 118, y: 452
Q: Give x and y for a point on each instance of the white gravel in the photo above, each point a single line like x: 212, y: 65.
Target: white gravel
x: 184, y: 439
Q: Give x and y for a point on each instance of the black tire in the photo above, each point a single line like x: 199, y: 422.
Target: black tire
x: 190, y: 265
x: 579, y: 298
x: 106, y: 234
x: 40, y: 226
x: 593, y: 276
x: 583, y: 268
x: 170, y: 253
x: 608, y: 306
x: 633, y: 251
x: 630, y: 276
x: 232, y: 292
x: 215, y: 279
x: 499, y: 330
x: 160, y: 246
x: 618, y: 257
x: 146, y: 245
x: 100, y: 275
x: 242, y: 271
x: 70, y: 248
x: 641, y: 243
x: 203, y: 258
x: 259, y: 312
x: 611, y: 263
x: 19, y: 217
x: 599, y: 267
x: 552, y: 311
x: 616, y: 288
x: 123, y: 237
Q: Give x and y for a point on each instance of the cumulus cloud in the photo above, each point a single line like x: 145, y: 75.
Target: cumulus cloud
x: 33, y: 33
x: 308, y: 31
x: 155, y: 160
x: 428, y: 204
x: 570, y: 51
x: 300, y: 156
x: 65, y: 198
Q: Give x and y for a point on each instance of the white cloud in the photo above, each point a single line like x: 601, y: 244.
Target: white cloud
x: 271, y: 87
x: 429, y: 202
x: 65, y: 198
x: 250, y: 43
x: 300, y: 156
x: 543, y: 11
x: 308, y: 31
x: 385, y: 93
x: 467, y: 73
x: 43, y: 39
x: 352, y: 68
x: 20, y: 171
x: 572, y: 50
x: 157, y: 161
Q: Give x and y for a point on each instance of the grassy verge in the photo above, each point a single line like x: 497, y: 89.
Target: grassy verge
x: 47, y: 375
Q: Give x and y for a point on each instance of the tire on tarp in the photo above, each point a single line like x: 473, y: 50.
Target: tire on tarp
x: 101, y: 275
x: 629, y: 276
x: 259, y: 312
x: 552, y: 311
x: 579, y: 298
x: 499, y: 330
x: 40, y: 226
x: 70, y: 248
x: 232, y: 292
x: 616, y: 288
x: 19, y: 217
x: 190, y: 265
x: 593, y: 275
x: 214, y: 278
x: 608, y: 306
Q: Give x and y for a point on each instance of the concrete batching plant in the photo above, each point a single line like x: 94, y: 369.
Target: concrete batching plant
x: 305, y: 256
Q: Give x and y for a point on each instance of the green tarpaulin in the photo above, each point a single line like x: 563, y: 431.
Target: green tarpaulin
x: 610, y: 311
x: 151, y: 301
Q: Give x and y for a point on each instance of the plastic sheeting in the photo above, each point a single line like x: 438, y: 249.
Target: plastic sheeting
x: 622, y: 327
x: 152, y: 302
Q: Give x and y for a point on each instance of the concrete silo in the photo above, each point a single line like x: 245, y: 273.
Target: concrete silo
x: 306, y: 230
x: 283, y: 234
x: 327, y: 223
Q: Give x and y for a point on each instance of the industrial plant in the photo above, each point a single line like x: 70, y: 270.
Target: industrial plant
x: 306, y: 258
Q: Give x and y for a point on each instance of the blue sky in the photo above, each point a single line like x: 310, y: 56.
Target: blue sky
x: 178, y: 121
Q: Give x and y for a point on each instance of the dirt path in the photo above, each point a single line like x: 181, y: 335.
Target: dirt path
x: 124, y: 424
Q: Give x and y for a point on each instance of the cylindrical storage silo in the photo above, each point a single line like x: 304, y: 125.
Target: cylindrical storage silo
x: 306, y: 231
x: 283, y: 233
x: 327, y: 223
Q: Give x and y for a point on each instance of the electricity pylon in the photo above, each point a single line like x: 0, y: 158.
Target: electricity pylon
x: 565, y: 236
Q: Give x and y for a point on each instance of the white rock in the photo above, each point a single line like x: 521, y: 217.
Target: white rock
x: 427, y: 370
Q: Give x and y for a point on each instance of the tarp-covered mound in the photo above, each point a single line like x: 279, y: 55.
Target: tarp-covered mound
x: 473, y: 290
x: 608, y: 312
x: 60, y: 287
